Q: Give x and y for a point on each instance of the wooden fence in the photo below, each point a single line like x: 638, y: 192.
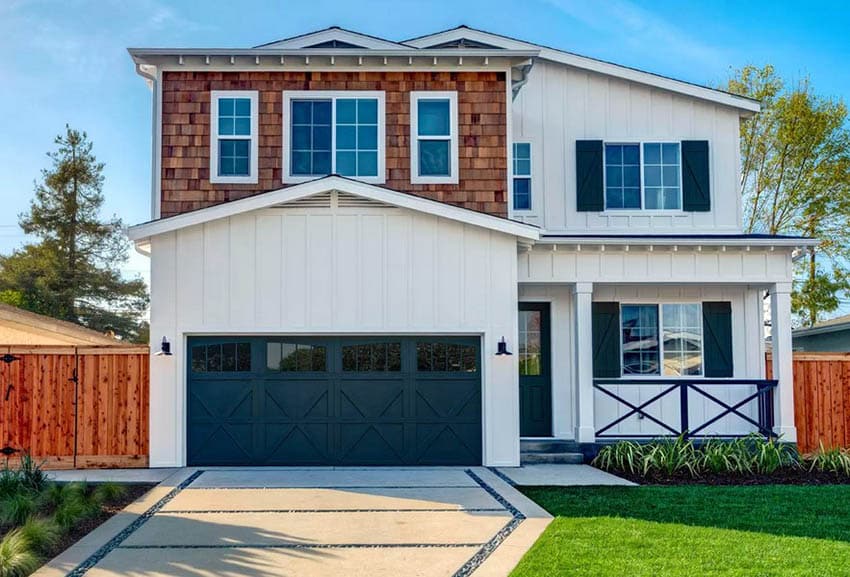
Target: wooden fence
x: 75, y: 407
x: 821, y: 399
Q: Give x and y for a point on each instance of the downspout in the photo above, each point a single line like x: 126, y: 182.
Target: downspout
x: 151, y: 80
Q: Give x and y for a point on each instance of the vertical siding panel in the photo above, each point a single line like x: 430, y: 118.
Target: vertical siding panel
x: 346, y: 273
x: 216, y: 259
x: 190, y: 276
x: 424, y: 230
x: 242, y: 263
x: 449, y: 273
x: 320, y: 259
x: 268, y: 271
x: 295, y: 295
x: 397, y: 248
x: 371, y: 269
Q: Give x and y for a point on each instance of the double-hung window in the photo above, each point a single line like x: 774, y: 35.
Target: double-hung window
x: 643, y: 176
x: 333, y: 133
x: 433, y: 137
x: 233, y: 136
x: 522, y: 176
x: 662, y: 339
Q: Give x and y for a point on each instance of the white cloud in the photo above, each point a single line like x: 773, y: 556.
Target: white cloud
x: 641, y: 30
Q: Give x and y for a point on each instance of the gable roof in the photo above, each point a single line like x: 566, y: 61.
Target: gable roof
x: 333, y: 34
x: 464, y: 32
x: 146, y: 230
x: 19, y: 324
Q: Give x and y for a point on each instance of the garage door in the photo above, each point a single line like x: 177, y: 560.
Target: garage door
x: 334, y: 401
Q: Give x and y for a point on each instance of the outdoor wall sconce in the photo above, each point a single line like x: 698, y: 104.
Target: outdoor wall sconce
x: 503, y: 348
x: 164, y: 348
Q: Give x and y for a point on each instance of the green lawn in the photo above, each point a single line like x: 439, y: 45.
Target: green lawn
x: 692, y: 531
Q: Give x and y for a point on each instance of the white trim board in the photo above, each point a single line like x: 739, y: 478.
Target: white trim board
x: 586, y: 63
x: 143, y: 231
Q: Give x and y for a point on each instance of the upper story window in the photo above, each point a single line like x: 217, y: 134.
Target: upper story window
x: 233, y: 136
x: 659, y: 165
x: 333, y: 133
x: 662, y: 339
x: 434, y: 138
x: 522, y: 176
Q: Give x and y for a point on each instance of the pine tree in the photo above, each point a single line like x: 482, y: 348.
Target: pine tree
x: 72, y: 271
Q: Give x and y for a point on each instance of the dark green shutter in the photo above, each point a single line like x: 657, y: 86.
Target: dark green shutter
x: 589, y: 193
x: 717, y: 338
x: 696, y: 187
x: 606, y: 340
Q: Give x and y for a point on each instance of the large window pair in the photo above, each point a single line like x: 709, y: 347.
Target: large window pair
x: 662, y: 339
x: 643, y: 176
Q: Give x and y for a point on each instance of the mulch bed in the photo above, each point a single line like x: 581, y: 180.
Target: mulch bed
x: 86, y: 526
x: 780, y: 477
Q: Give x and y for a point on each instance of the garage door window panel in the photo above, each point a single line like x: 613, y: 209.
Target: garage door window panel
x: 221, y: 358
x: 295, y: 357
x: 445, y: 357
x: 372, y: 357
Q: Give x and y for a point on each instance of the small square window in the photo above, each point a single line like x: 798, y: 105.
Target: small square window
x: 622, y: 176
x: 522, y: 193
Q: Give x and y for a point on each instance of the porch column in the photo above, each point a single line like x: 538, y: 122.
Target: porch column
x: 583, y: 361
x: 780, y: 323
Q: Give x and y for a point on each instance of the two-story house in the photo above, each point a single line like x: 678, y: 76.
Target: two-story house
x: 375, y: 252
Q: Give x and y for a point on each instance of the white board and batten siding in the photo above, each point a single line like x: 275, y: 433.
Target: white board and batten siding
x: 315, y: 270
x: 561, y: 104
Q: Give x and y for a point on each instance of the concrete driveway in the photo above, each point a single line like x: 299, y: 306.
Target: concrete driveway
x: 282, y: 522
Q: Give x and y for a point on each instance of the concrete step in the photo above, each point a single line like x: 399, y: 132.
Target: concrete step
x: 548, y: 446
x: 551, y: 458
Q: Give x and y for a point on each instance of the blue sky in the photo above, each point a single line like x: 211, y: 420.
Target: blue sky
x: 64, y: 61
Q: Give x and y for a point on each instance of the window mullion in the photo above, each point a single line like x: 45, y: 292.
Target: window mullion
x: 333, y: 134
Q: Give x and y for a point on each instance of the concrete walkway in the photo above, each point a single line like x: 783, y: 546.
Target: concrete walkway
x: 350, y: 522
x: 560, y: 476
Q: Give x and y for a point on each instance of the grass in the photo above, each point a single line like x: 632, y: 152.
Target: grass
x: 757, y: 531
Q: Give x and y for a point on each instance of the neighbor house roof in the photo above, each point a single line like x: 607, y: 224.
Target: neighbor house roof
x: 841, y: 323
x: 20, y: 327
x: 333, y: 183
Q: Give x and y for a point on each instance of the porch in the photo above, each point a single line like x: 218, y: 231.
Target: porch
x: 645, y: 340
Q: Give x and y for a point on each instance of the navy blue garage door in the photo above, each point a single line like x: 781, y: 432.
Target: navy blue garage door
x: 334, y: 401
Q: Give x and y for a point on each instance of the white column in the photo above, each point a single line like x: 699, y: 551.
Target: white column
x: 583, y: 361
x: 780, y: 331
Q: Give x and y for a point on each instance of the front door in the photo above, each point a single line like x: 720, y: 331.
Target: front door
x: 535, y: 386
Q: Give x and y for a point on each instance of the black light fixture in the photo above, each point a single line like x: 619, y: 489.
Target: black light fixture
x: 164, y: 348
x: 503, y: 348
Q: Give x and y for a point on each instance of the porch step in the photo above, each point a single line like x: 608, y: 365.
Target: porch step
x: 551, y: 458
x: 548, y: 446
x: 538, y: 451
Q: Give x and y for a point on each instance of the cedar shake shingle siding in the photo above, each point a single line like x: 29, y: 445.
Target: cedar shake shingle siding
x: 482, y: 131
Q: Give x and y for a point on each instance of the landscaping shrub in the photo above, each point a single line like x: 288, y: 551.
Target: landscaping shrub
x: 17, y: 555
x: 106, y: 493
x: 753, y: 455
x: 42, y: 534
x: 15, y: 509
x: 835, y: 460
x: 670, y: 456
x: 31, y: 475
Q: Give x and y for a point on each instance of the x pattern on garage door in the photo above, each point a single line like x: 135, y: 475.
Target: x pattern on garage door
x: 334, y: 401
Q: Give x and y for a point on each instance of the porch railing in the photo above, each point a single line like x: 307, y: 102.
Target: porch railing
x: 706, y: 390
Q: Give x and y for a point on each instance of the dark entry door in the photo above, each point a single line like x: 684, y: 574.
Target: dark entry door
x: 334, y: 401
x: 535, y: 383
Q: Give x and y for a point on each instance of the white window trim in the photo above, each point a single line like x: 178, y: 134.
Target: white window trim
x: 640, y: 211
x: 252, y: 177
x: 415, y: 97
x: 661, y: 374
x: 529, y: 176
x: 290, y: 95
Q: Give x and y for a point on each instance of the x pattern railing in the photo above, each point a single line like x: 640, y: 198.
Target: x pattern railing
x: 763, y: 396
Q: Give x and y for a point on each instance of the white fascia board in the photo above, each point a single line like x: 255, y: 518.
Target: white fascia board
x: 591, y: 64
x: 330, y: 34
x: 292, y: 193
x: 706, y: 240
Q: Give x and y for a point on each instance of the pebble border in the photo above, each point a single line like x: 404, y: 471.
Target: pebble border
x: 113, y: 543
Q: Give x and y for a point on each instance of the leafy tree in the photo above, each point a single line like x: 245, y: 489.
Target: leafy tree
x: 72, y: 271
x: 795, y: 179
